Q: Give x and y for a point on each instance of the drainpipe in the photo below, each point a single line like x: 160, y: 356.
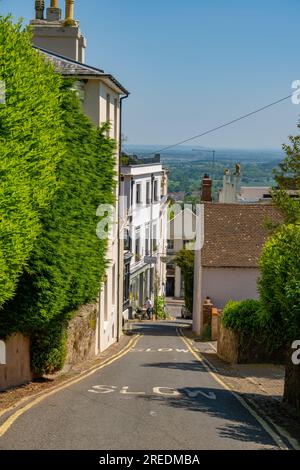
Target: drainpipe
x: 120, y: 275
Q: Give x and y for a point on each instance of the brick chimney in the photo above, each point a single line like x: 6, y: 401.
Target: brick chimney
x: 206, y: 194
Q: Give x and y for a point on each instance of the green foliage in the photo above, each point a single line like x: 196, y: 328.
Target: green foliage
x: 242, y: 316
x: 160, y: 308
x: 279, y: 284
x: 185, y: 260
x: 68, y: 260
x: 287, y: 177
x: 30, y: 148
x: 186, y: 174
x: 206, y: 333
x: 288, y: 174
x: 289, y: 207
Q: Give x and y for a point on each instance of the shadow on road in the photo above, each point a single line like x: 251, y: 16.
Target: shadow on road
x: 159, y: 329
x: 194, y: 366
x: 220, y: 404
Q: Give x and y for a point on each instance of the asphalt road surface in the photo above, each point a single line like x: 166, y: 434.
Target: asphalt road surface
x: 157, y: 396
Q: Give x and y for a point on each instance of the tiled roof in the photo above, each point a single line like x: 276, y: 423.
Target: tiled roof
x: 254, y: 193
x: 234, y: 234
x: 72, y: 68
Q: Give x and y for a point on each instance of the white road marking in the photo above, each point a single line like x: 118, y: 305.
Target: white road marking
x: 166, y: 391
x: 125, y: 391
x: 104, y: 389
x: 162, y: 391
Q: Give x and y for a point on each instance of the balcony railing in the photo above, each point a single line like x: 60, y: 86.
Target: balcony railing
x: 134, y: 160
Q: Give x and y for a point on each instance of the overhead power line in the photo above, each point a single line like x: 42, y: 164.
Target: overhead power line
x: 221, y: 126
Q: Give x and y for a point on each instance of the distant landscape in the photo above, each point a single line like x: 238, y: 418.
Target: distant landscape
x: 187, y: 165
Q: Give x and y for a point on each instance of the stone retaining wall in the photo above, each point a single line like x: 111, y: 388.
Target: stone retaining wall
x: 81, y: 343
x: 236, y: 348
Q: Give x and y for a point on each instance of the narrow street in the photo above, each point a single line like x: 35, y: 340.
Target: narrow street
x: 157, y: 396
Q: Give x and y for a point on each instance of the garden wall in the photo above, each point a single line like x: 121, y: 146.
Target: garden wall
x: 81, y: 346
x: 16, y: 370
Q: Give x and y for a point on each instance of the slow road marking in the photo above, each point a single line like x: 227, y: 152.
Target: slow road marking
x: 160, y: 350
x: 162, y: 391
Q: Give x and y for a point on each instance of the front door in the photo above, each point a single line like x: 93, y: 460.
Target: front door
x: 170, y: 289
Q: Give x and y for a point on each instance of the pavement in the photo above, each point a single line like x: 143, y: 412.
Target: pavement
x: 156, y: 394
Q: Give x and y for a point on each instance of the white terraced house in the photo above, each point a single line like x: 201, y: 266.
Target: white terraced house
x: 144, y: 184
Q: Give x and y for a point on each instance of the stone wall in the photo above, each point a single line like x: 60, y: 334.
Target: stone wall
x: 236, y: 348
x: 81, y: 343
x: 227, y: 344
x: 16, y: 370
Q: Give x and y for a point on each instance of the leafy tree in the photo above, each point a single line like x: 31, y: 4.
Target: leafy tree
x: 279, y: 285
x: 68, y: 261
x: 185, y: 260
x: 287, y: 177
x: 288, y: 174
x: 30, y: 148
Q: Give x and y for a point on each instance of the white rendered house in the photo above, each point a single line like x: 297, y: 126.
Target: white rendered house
x: 62, y: 43
x: 144, y: 186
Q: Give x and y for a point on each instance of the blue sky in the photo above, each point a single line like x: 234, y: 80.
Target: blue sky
x: 193, y: 64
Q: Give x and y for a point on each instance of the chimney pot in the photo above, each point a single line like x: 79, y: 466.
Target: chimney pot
x: 69, y: 10
x: 54, y: 12
x: 39, y: 9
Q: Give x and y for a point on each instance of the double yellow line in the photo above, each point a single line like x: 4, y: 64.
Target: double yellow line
x: 275, y: 435
x: 39, y: 397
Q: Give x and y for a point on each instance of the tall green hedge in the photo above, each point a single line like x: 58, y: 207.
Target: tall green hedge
x: 68, y: 260
x: 30, y: 148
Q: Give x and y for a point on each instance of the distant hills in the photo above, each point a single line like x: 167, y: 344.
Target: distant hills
x: 197, y: 153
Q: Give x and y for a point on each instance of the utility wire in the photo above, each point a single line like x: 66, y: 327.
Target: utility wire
x: 210, y: 131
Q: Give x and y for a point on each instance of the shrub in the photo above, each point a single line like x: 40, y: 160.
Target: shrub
x: 279, y: 285
x: 66, y: 266
x: 160, y: 308
x: 30, y: 148
x: 242, y: 316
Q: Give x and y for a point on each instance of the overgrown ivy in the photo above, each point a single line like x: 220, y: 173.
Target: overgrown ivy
x: 30, y: 148
x: 69, y: 259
